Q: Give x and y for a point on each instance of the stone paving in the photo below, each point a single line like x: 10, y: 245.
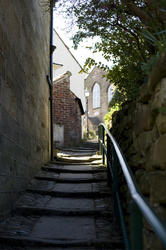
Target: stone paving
x: 66, y: 206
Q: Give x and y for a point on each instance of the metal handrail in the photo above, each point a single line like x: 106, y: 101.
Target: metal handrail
x: 139, y: 205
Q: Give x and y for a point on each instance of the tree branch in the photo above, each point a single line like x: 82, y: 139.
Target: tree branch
x: 138, y: 12
x: 135, y: 36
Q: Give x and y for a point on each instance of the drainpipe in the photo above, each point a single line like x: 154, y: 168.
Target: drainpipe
x: 50, y: 78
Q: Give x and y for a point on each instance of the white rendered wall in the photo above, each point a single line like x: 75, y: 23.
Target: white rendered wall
x: 63, y: 56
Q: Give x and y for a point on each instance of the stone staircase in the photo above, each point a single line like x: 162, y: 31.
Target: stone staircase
x: 67, y: 205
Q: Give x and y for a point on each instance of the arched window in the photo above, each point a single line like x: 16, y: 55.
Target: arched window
x: 96, y: 96
x: 110, y: 93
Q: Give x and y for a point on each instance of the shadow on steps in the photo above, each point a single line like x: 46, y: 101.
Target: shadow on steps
x: 65, y: 207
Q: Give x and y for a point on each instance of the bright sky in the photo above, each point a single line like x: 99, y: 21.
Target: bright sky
x: 82, y: 52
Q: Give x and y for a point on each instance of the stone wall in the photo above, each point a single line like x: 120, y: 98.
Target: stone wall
x: 140, y: 129
x: 67, y: 113
x: 24, y: 96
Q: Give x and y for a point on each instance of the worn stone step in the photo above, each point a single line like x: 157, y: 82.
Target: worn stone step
x: 80, y: 159
x: 86, y: 163
x: 60, y: 231
x: 72, y: 177
x: 82, y: 187
x: 72, y: 180
x: 78, y: 149
x: 33, y: 200
x: 76, y: 154
x: 74, y: 169
x: 40, y: 184
x: 74, y: 160
x: 42, y: 244
x: 90, y: 144
x: 70, y: 194
x: 69, y: 189
x: 65, y: 207
x: 24, y: 210
x: 65, y: 204
x: 6, y: 247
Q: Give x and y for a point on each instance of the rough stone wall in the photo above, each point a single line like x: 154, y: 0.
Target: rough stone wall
x: 67, y: 112
x: 24, y: 96
x: 140, y: 129
x: 97, y: 115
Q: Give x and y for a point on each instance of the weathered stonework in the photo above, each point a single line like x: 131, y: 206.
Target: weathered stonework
x: 161, y: 124
x: 140, y: 129
x: 96, y: 115
x: 24, y: 96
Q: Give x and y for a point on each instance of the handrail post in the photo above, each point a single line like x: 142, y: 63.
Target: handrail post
x: 115, y: 170
x: 115, y: 182
x: 99, y: 137
x: 103, y: 140
x: 135, y: 227
x: 108, y: 159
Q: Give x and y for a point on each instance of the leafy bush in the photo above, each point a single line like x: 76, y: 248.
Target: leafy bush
x: 108, y: 116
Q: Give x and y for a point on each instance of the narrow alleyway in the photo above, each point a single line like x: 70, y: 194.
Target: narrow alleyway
x: 66, y: 206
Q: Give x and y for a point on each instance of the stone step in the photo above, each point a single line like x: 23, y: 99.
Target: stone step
x: 66, y: 162
x: 74, y: 169
x: 60, y: 231
x: 31, y: 200
x: 76, y: 154
x: 41, y: 244
x: 90, y: 144
x: 26, y: 211
x: 69, y: 189
x: 78, y: 149
x: 6, y: 247
x: 70, y: 194
x: 72, y: 180
x: 66, y: 206
x: 76, y: 159
x: 72, y: 177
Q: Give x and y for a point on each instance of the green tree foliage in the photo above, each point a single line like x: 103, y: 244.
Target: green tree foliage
x: 131, y: 32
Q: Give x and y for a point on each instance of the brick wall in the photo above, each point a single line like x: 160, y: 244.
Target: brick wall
x: 24, y: 96
x: 67, y: 111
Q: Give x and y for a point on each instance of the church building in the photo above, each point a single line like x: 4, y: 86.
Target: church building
x: 99, y: 92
